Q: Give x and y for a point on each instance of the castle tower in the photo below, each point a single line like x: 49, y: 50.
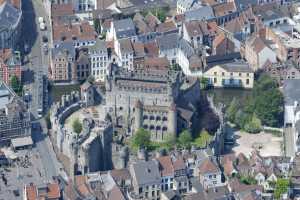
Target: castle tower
x: 172, y: 120
x: 138, y: 115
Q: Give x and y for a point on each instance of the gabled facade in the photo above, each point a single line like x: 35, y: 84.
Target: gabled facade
x: 100, y: 60
x: 257, y: 53
x: 10, y: 65
x: 124, y: 50
x: 210, y: 174
x: 62, y: 62
x: 236, y: 74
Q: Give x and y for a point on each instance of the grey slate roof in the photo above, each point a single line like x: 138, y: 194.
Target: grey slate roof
x: 291, y: 91
x: 9, y: 16
x: 186, y: 48
x: 205, y: 12
x: 190, y: 3
x: 222, y: 59
x: 126, y: 46
x: 271, y: 14
x: 68, y: 46
x: 237, y: 66
x: 167, y: 42
x: 146, y: 172
x: 100, y: 45
x: 243, y: 4
x: 124, y: 28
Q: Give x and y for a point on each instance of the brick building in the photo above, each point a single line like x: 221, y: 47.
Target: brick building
x: 10, y: 65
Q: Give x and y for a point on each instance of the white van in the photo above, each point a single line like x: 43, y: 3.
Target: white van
x: 41, y: 20
x: 42, y: 26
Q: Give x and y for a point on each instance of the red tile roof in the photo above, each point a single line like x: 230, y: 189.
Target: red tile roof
x: 166, y: 165
x: 166, y: 26
x: 219, y: 39
x: 208, y: 166
x: 53, y: 192
x: 31, y: 192
x: 67, y: 32
x: 151, y: 49
x: 157, y: 63
x: 224, y: 9
x: 61, y: 9
x: 179, y: 164
x: 5, y: 54
x: 81, y: 185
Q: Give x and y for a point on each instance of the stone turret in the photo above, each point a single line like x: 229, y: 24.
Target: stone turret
x: 138, y: 114
x: 172, y: 119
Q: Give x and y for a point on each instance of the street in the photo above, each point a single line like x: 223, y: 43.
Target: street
x: 36, y: 80
x: 36, y: 61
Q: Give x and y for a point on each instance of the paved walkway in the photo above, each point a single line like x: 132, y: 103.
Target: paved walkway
x: 270, y: 145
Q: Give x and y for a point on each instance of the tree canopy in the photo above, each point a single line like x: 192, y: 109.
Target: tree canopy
x: 267, y: 101
x: 281, y: 188
x: 77, y: 126
x: 232, y: 110
x: 16, y: 85
x: 263, y: 107
x: 185, y: 139
x: 203, y: 139
x: 254, y: 125
x: 141, y: 139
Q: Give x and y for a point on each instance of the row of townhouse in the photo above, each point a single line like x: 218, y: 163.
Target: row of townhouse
x: 129, y: 42
x: 157, y: 178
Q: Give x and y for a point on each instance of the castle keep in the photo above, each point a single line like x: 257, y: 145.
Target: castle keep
x: 149, y: 99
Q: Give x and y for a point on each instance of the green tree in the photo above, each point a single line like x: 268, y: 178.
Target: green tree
x: 281, y: 187
x: 248, y: 180
x: 141, y: 139
x: 241, y: 118
x: 185, y: 139
x: 232, y: 110
x: 77, y: 126
x: 266, y: 102
x: 253, y: 126
x: 16, y: 85
x: 160, y: 13
x: 169, y: 142
x: 203, y: 139
x: 263, y: 84
x: 97, y: 25
x: 269, y: 107
x: 204, y: 83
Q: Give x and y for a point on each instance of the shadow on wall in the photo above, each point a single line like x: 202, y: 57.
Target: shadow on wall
x: 29, y: 28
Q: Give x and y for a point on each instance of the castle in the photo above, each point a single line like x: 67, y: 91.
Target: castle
x: 88, y: 151
x: 153, y: 99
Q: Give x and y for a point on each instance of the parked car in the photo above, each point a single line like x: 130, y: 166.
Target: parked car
x: 41, y: 20
x: 45, y: 48
x: 42, y: 26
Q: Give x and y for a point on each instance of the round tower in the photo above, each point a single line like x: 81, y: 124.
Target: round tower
x: 172, y: 119
x: 138, y: 115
